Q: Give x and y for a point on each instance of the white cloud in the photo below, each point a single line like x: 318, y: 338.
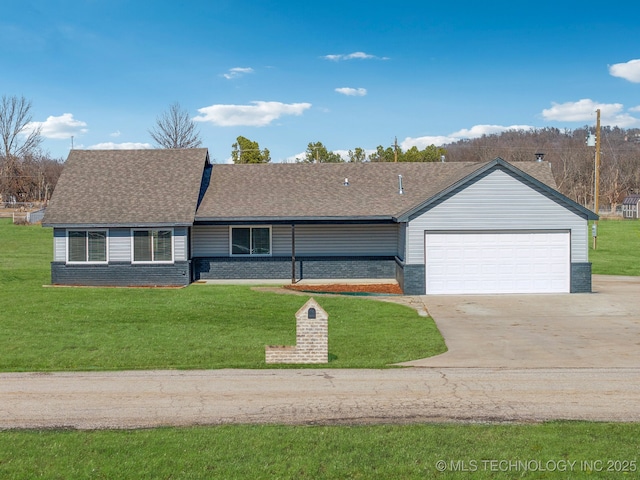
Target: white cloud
x: 258, y: 114
x: 295, y: 158
x: 120, y: 146
x: 580, y: 111
x: 352, y: 92
x: 476, y: 131
x: 423, y: 142
x: 115, y: 134
x: 635, y: 109
x: 353, y: 56
x: 345, y: 153
x: 62, y: 127
x: 629, y: 71
x: 584, y: 110
x: 237, y: 72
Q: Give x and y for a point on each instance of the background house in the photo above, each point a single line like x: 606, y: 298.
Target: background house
x: 631, y: 206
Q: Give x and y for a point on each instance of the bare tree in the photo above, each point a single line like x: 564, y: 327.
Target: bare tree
x: 18, y: 138
x: 174, y: 129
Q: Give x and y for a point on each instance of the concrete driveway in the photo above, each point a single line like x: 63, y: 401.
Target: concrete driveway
x: 600, y: 329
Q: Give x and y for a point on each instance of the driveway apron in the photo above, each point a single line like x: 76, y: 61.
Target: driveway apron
x: 586, y: 330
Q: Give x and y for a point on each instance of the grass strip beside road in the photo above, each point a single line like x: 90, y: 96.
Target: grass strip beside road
x: 549, y: 450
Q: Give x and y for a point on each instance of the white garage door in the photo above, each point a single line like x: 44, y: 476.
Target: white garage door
x: 497, y: 262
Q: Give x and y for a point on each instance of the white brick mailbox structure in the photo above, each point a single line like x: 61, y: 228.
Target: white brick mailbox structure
x: 312, y: 338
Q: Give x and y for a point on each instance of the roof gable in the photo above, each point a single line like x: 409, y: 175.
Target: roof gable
x: 536, y: 174
x: 128, y: 187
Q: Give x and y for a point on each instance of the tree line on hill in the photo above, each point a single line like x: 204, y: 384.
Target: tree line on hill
x: 572, y: 160
x: 28, y: 175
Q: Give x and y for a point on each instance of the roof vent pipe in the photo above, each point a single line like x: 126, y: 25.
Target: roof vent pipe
x: 346, y: 182
x: 400, y: 189
x: 442, y: 158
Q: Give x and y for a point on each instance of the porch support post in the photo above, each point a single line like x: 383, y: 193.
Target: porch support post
x: 293, y: 254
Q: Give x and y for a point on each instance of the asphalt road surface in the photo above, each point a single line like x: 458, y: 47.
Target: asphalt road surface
x: 316, y: 396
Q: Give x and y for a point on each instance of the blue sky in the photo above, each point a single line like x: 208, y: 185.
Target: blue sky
x: 348, y: 74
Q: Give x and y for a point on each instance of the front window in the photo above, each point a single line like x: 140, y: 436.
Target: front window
x: 251, y: 241
x: 152, y: 246
x: 88, y: 246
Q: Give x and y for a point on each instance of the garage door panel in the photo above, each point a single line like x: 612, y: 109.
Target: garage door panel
x: 497, y: 262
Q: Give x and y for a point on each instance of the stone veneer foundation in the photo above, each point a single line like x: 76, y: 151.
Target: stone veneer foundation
x: 312, y: 338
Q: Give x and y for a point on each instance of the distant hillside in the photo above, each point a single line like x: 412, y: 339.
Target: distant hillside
x: 571, y: 159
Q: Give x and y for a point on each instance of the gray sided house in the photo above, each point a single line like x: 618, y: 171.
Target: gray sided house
x: 437, y: 228
x: 123, y: 217
x: 631, y: 206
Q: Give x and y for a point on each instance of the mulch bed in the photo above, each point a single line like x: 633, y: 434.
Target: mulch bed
x: 347, y: 288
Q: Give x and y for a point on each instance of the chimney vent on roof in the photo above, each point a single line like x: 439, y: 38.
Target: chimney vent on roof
x: 400, y: 189
x: 346, y: 182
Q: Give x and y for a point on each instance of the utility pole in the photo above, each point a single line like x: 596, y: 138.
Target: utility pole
x: 395, y: 150
x: 596, y: 187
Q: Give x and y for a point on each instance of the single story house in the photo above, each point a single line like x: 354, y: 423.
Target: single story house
x: 169, y: 217
x: 631, y: 206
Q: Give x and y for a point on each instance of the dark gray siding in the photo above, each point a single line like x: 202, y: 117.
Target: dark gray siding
x: 120, y: 274
x: 411, y: 278
x: 306, y: 267
x: 580, y: 278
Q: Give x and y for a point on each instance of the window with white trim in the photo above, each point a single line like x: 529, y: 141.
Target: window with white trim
x: 152, y: 246
x: 87, y: 246
x: 250, y: 240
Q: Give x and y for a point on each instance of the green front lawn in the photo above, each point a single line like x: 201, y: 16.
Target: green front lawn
x: 82, y: 328
x: 198, y: 327
x: 47, y: 329
x: 618, y: 248
x: 551, y: 450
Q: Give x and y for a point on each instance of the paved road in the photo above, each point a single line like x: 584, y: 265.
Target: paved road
x: 309, y: 396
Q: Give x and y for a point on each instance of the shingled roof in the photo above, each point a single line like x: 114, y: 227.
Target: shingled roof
x: 318, y: 191
x: 632, y: 199
x: 128, y: 188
